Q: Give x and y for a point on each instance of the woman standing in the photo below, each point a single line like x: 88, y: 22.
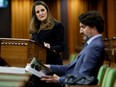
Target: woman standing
x: 47, y: 31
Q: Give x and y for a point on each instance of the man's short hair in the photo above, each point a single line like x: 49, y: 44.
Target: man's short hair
x: 92, y: 19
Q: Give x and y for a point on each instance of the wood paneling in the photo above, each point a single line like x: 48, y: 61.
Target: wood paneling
x: 75, y: 8
x: 111, y: 19
x: 21, y: 14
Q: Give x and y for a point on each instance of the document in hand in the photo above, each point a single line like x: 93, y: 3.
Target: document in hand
x: 37, y: 68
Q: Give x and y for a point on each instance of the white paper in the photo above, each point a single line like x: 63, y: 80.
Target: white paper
x: 33, y: 71
x: 16, y: 70
x: 37, y: 68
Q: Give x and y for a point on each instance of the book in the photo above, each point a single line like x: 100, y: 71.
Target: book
x: 37, y: 68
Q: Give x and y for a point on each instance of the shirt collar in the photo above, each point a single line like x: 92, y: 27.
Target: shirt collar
x: 92, y: 38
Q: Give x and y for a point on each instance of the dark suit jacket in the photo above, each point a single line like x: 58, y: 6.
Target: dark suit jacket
x: 87, y: 62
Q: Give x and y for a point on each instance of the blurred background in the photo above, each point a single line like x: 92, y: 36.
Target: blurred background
x: 15, y: 18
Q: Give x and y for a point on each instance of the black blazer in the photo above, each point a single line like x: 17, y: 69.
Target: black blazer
x: 55, y: 37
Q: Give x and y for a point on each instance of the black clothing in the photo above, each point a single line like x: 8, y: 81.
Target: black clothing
x: 55, y: 37
x: 36, y: 82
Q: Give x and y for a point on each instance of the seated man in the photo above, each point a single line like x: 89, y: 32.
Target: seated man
x: 90, y: 58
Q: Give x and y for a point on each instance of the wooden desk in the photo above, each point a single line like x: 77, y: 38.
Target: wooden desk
x: 19, y: 52
x: 14, y: 80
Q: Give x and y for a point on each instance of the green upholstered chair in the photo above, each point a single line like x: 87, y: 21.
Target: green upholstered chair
x: 101, y: 74
x: 105, y: 76
x: 109, y: 78
x: 72, y: 57
x: 114, y: 85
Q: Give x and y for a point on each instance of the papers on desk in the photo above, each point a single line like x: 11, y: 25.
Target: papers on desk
x: 14, y: 70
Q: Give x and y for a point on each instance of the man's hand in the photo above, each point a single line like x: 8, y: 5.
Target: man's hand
x: 50, y: 79
x: 48, y: 66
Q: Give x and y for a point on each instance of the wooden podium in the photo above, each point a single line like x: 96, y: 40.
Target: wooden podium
x: 19, y: 52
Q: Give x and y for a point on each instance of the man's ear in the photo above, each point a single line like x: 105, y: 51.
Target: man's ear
x: 94, y: 28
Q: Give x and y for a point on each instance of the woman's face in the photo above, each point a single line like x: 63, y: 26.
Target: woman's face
x: 41, y: 12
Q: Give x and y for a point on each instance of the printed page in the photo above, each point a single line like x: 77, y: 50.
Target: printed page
x: 37, y: 68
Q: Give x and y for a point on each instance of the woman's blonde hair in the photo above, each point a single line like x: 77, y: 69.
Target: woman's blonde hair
x: 35, y: 24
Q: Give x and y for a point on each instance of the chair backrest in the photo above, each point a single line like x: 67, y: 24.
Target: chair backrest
x: 109, y: 78
x: 73, y: 56
x: 114, y: 85
x: 105, y: 76
x: 101, y: 74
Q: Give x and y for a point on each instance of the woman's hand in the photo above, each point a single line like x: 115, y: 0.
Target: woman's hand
x: 47, y: 45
